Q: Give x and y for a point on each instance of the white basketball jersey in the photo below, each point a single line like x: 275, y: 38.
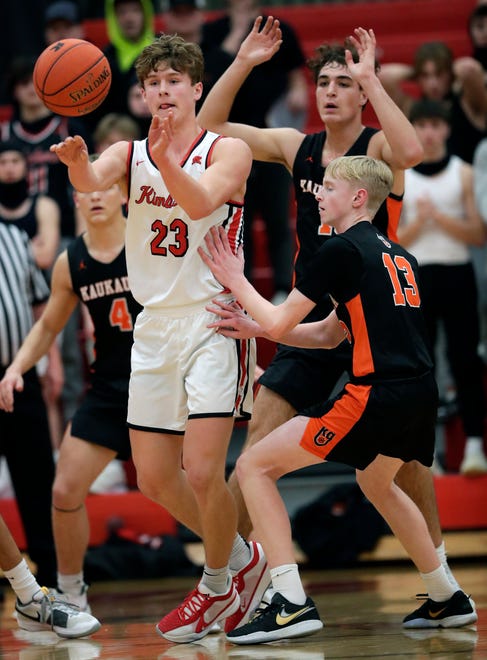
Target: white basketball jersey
x: 164, y: 267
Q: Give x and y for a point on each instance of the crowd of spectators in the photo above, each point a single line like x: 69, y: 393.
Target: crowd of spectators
x: 281, y: 88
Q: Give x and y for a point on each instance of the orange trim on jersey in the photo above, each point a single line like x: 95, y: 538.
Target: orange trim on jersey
x: 362, y: 355
x: 394, y: 207
x: 296, y: 255
x: 322, y: 434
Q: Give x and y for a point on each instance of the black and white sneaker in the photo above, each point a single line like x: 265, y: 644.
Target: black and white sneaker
x: 453, y: 613
x: 279, y: 620
x: 47, y: 611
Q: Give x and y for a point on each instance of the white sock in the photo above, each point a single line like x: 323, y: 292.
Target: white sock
x: 240, y: 555
x: 442, y: 556
x: 286, y: 580
x: 216, y: 580
x: 70, y: 584
x: 437, y: 585
x: 474, y: 446
x: 22, y: 581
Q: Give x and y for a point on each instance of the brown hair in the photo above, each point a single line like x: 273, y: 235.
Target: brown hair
x: 180, y: 55
x: 332, y: 54
x: 433, y: 51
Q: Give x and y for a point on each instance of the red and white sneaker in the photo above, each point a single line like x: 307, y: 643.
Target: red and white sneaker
x: 250, y: 582
x: 197, y: 614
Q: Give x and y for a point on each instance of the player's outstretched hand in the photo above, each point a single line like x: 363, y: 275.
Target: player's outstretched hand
x: 365, y: 44
x: 160, y: 135
x: 223, y: 263
x: 233, y: 322
x: 71, y: 151
x: 261, y: 44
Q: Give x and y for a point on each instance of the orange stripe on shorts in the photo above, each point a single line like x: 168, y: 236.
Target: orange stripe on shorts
x: 322, y: 434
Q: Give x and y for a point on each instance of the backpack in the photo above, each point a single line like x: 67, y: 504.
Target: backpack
x: 335, y: 528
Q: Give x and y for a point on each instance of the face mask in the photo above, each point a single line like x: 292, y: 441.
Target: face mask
x: 13, y: 194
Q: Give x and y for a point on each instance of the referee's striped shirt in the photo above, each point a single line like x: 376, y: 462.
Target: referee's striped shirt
x: 21, y: 285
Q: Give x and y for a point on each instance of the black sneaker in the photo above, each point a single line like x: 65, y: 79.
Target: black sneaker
x: 279, y: 620
x: 453, y: 613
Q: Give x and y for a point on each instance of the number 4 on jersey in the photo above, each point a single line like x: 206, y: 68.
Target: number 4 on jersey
x: 120, y: 315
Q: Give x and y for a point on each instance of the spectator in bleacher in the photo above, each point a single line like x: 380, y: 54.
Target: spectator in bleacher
x: 275, y: 88
x: 137, y: 107
x: 62, y: 20
x: 93, y: 270
x: 113, y: 128
x: 186, y: 18
x: 38, y: 215
x: 439, y: 221
x: 130, y: 27
x: 477, y: 30
x: 34, y: 128
x: 345, y: 81
x: 459, y: 84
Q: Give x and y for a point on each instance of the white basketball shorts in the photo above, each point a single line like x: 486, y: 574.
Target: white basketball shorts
x: 183, y: 369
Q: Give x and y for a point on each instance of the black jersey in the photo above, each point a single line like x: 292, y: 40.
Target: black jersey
x: 308, y: 173
x: 374, y: 284
x: 46, y: 174
x: 104, y: 288
x: 28, y: 222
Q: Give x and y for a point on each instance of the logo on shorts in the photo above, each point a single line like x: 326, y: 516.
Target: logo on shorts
x: 323, y: 437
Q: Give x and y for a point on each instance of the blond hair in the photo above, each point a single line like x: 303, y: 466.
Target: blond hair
x: 370, y: 173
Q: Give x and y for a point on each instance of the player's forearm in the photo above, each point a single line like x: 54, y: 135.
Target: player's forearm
x: 320, y: 334
x: 185, y: 190
x: 37, y: 344
x: 399, y: 132
x: 84, y: 179
x: 272, y: 319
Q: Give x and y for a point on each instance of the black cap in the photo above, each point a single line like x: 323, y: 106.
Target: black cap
x: 62, y: 11
x: 429, y: 109
x: 11, y: 145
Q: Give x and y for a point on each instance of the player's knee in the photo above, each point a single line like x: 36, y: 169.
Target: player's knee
x: 369, y: 487
x: 65, y: 498
x: 246, y: 465
x: 202, y: 477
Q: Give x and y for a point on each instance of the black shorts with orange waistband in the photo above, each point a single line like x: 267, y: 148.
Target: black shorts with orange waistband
x: 394, y: 417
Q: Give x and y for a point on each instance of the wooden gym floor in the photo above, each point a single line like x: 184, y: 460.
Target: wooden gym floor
x: 362, y: 609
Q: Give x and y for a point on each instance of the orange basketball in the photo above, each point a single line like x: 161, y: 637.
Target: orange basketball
x: 72, y: 77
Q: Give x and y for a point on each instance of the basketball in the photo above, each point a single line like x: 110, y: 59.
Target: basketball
x: 72, y: 77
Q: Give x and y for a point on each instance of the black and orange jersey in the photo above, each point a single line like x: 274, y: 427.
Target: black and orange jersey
x: 308, y: 173
x: 104, y: 289
x: 373, y: 283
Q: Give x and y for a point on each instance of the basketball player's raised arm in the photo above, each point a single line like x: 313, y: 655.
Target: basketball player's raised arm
x: 85, y: 176
x: 266, y: 144
x: 399, y: 146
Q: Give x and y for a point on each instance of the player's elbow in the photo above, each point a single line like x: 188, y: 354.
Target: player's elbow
x: 413, y: 154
